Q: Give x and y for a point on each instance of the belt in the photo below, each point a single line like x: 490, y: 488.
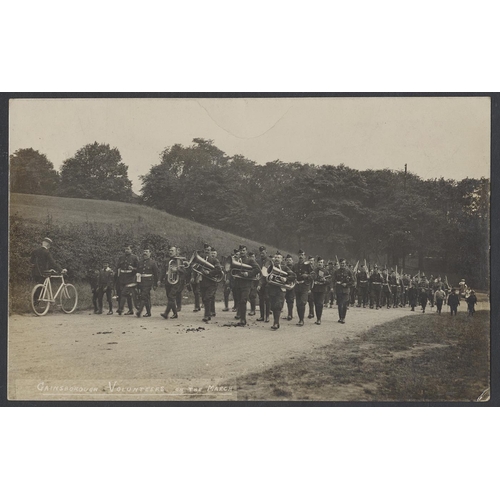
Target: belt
x: 147, y: 275
x: 363, y: 281
x: 376, y: 283
x: 125, y: 271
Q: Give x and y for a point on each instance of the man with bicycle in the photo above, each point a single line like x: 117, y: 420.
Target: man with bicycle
x: 42, y: 263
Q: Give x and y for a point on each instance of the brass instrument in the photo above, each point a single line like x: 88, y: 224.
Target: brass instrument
x: 236, y: 268
x: 173, y: 269
x: 198, y: 264
x: 276, y: 276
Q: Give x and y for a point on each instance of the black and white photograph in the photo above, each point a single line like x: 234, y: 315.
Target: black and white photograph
x: 277, y: 249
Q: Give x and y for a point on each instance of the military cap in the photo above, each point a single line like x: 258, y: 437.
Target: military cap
x: 213, y: 249
x: 301, y: 251
x: 262, y: 248
x: 288, y: 256
x: 341, y: 260
x: 251, y: 254
x: 375, y: 266
x: 278, y: 252
x: 206, y: 245
x: 242, y: 247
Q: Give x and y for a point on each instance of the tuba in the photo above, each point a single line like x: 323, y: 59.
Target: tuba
x: 173, y: 269
x: 274, y: 276
x: 236, y: 268
x: 198, y: 264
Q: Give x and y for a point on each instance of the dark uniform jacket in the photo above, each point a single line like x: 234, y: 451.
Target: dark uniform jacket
x: 273, y: 289
x: 343, y: 279
x: 321, y: 280
x: 301, y: 268
x: 362, y: 279
x: 106, y: 278
x: 376, y: 278
x: 124, y: 274
x: 212, y: 273
x: 42, y: 261
x: 149, y: 272
x: 252, y: 273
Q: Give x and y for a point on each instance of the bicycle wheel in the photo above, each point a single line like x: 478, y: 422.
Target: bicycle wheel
x: 69, y: 298
x: 41, y: 305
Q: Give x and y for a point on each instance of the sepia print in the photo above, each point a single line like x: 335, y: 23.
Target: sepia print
x: 249, y: 249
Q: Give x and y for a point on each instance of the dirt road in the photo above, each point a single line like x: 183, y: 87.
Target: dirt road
x: 83, y: 356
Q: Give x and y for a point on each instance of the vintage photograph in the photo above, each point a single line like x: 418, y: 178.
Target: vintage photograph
x: 249, y: 249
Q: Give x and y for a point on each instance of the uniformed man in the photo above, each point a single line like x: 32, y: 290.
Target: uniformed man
x: 93, y: 279
x: 227, y: 287
x: 413, y: 294
x: 235, y: 290
x: 353, y: 292
x: 106, y: 280
x: 310, y: 298
x: 126, y: 279
x: 150, y: 276
x: 182, y: 284
x: 289, y: 294
x: 213, y: 255
x: 243, y: 284
x: 42, y: 262
x: 362, y: 283
x: 252, y: 297
x: 319, y: 288
x: 343, y: 279
x: 171, y: 289
x: 331, y: 285
x: 264, y: 305
x: 376, y: 287
x: 208, y: 286
x: 305, y: 275
x: 394, y: 284
x: 277, y: 293
x: 405, y: 286
x: 386, y: 289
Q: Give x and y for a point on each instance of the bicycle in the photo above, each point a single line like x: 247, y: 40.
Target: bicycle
x: 68, y: 298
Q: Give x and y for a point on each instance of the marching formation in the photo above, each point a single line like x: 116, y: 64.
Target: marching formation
x: 310, y: 283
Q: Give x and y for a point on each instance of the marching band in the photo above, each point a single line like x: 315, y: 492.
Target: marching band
x: 273, y: 280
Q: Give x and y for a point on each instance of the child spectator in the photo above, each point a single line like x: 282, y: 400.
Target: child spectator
x: 454, y: 301
x: 471, y: 302
x: 439, y: 296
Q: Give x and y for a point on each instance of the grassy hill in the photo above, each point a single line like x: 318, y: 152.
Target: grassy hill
x: 184, y: 232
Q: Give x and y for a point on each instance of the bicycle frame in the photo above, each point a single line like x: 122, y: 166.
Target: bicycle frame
x: 47, y: 294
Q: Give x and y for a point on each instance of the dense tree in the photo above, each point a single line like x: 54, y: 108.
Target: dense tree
x: 96, y: 171
x: 31, y: 172
x: 382, y: 216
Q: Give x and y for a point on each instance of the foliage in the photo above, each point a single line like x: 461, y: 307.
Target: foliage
x: 96, y: 171
x: 383, y: 216
x: 31, y: 172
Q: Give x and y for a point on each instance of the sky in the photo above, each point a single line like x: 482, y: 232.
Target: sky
x: 436, y: 136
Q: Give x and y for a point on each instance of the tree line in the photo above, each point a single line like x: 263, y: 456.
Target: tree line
x: 384, y: 216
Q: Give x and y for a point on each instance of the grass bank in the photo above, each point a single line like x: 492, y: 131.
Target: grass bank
x: 420, y: 358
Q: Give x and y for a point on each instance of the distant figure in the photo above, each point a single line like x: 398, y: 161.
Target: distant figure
x: 454, y: 301
x: 106, y: 280
x: 439, y: 296
x: 413, y: 295
x: 463, y: 288
x: 423, y: 297
x: 93, y: 279
x: 471, y: 302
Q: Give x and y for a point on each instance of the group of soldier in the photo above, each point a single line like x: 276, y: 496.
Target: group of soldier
x: 309, y: 282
